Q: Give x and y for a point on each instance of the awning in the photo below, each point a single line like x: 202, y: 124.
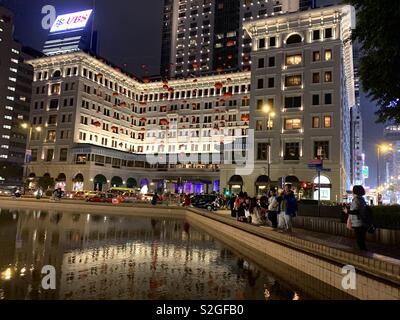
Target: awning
x: 236, y: 180
x: 263, y: 181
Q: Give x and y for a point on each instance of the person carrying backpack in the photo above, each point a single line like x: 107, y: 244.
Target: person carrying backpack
x: 360, y: 217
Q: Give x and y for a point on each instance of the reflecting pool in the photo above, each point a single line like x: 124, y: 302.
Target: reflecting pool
x: 120, y: 257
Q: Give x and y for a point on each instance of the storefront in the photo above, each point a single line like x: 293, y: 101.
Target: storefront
x: 235, y: 184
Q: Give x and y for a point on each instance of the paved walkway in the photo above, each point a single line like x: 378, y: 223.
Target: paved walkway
x: 337, y: 242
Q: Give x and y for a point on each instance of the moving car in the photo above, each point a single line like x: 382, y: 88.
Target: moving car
x: 209, y: 202
x: 102, y: 198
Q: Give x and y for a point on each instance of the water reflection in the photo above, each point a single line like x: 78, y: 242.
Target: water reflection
x: 112, y: 257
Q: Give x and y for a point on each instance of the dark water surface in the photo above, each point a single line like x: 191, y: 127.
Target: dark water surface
x: 119, y: 257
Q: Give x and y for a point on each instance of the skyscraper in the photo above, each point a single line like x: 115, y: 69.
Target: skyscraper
x: 202, y: 37
x: 15, y: 91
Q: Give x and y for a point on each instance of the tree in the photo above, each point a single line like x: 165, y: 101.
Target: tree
x: 378, y: 25
x: 46, y: 183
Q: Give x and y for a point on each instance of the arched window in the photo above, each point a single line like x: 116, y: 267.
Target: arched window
x: 57, y: 74
x: 325, y: 188
x: 294, y: 39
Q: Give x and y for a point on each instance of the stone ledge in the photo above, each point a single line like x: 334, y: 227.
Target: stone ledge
x: 375, y: 265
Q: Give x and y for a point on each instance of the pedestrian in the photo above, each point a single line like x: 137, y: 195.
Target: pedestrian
x: 288, y: 208
x: 57, y: 194
x: 155, y: 199
x: 232, y: 202
x: 187, y: 201
x: 240, y: 206
x: 358, y: 220
x: 273, y: 208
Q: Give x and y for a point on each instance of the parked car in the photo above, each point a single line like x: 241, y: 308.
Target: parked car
x: 209, y: 202
x: 132, y: 197
x: 102, y: 197
x: 90, y: 194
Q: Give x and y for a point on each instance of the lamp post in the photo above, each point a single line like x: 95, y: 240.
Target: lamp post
x: 382, y: 149
x: 271, y: 114
x: 26, y: 126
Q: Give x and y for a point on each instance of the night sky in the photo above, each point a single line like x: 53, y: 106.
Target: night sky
x: 130, y: 35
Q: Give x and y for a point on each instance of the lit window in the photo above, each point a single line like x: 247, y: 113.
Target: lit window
x: 315, y: 122
x: 328, y: 55
x: 14, y: 60
x: 294, y: 59
x: 11, y: 88
x: 293, y: 81
x: 4, y: 146
x: 15, y: 51
x: 13, y: 70
x: 12, y: 79
x: 8, y: 117
x: 292, y: 124
x: 10, y: 98
x: 327, y: 122
x: 328, y: 76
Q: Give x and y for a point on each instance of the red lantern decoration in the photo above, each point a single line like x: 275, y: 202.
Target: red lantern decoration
x: 219, y: 69
x: 230, y: 43
x: 230, y: 57
x: 99, y: 75
x: 227, y: 95
x: 218, y: 85
x: 171, y: 90
x: 165, y: 87
x: 146, y: 80
x: 115, y: 94
x: 97, y: 124
x: 245, y: 117
x: 222, y: 101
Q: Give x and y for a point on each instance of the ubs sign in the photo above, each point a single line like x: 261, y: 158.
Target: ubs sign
x: 71, y: 21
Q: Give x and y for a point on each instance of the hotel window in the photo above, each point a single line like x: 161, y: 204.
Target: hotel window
x: 52, y: 120
x: 34, y: 156
x: 292, y: 124
x: 259, y: 125
x: 315, y: 100
x: 292, y: 151
x: 53, y: 104
x: 316, y: 77
x: 328, y: 98
x: 272, y: 41
x: 56, y: 88
x: 316, y: 56
x: 328, y: 76
x: 327, y: 122
x: 328, y: 33
x: 292, y: 102
x: 49, y: 155
x: 316, y: 35
x: 293, y: 81
x: 294, y: 59
x: 63, y: 154
x: 271, y: 82
x: 328, y: 55
x: 262, y: 151
x: 261, y: 63
x: 315, y: 122
x: 261, y: 43
x: 321, y: 150
x: 260, y: 83
x: 51, y: 135
x: 271, y: 62
x: 260, y: 104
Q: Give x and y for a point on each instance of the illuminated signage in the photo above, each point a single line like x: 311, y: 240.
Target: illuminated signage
x: 365, y: 172
x: 71, y: 21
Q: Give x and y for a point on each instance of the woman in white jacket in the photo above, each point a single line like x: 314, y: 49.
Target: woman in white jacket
x: 273, y: 209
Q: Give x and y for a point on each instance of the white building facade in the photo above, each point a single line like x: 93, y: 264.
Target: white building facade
x: 302, y: 93
x: 94, y: 127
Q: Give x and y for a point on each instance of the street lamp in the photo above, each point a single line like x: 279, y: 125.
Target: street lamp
x: 382, y: 149
x: 271, y: 114
x: 26, y: 126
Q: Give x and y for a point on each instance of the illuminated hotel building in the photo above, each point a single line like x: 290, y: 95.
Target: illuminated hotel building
x: 303, y: 72
x: 207, y: 36
x: 95, y: 127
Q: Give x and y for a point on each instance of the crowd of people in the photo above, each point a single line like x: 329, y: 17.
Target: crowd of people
x: 273, y: 208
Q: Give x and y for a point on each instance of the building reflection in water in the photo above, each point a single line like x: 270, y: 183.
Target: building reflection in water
x: 112, y: 257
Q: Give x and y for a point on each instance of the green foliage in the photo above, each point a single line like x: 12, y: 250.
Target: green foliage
x: 378, y: 25
x: 46, y: 183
